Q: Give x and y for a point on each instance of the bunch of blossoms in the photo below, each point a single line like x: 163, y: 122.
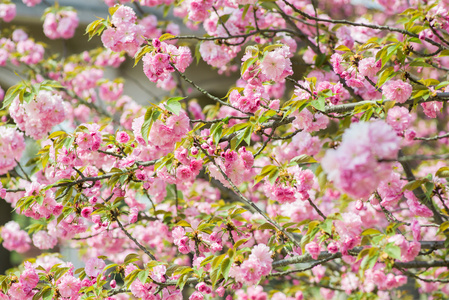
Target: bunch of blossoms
x: 165, y: 132
x: 301, y: 143
x: 111, y: 91
x: 159, y: 63
x: 309, y: 122
x: 324, y: 81
x: 188, y: 168
x: 354, y: 75
x: 235, y: 165
x: 47, y: 207
x: 199, y: 9
x: 257, y: 265
x: 397, y: 90
x: 293, y: 185
x: 216, y: 55
x: 152, y: 3
x: 38, y: 116
x: 60, y: 24
x: 123, y: 34
x: 7, y: 11
x: 12, y: 145
x: 28, y: 280
x: 14, y: 238
x: 377, y: 278
x: 85, y: 81
x: 354, y: 166
x: 30, y: 52
x: 31, y: 3
x: 276, y: 64
x: 89, y: 139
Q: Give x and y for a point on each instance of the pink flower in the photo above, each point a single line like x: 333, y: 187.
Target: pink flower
x: 203, y: 288
x: 390, y: 190
x: 308, y: 122
x: 123, y: 15
x: 314, y: 249
x: 38, y: 117
x: 369, y: 67
x: 214, y: 55
x: 332, y: 247
x: 397, y: 90
x: 336, y: 60
x: 86, y: 211
x: 94, y: 266
x: 12, y: 145
x: 354, y: 166
x: 7, y: 12
x: 399, y: 118
x: 14, y: 238
x: 61, y: 25
x: 122, y: 137
x: 276, y: 64
x: 250, y: 271
x: 30, y: 3
x: 432, y: 108
x: 415, y: 207
x: 158, y: 273
x: 199, y: 10
x: 113, y: 283
x: 133, y: 214
x: 279, y: 192
x: 29, y: 277
x: 196, y: 296
x: 69, y: 286
x: 262, y: 253
x: 184, y: 173
x: 43, y: 240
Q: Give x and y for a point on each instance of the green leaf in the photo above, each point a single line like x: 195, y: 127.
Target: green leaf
x: 386, y: 75
x: 143, y: 275
x: 303, y: 158
x: 173, y: 105
x: 11, y: 94
x: 183, y: 223
x: 166, y: 36
x: 214, y: 275
x: 141, y: 52
x: 362, y: 254
x: 413, y: 185
x: 444, y: 226
x: 319, y: 104
x: 442, y: 172
x: 343, y: 48
x: 216, y: 132
x: 266, y: 226
x: 131, y: 257
x: 370, y: 231
x: 393, y: 251
x: 249, y: 62
x: 320, y: 60
x: 239, y: 243
x: 48, y: 294
x: 225, y: 267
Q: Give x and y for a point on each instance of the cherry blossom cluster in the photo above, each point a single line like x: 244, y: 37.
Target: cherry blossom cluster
x: 159, y: 63
x: 123, y: 34
x: 355, y: 166
x: 320, y: 172
x: 12, y: 145
x: 60, y: 24
x: 38, y: 116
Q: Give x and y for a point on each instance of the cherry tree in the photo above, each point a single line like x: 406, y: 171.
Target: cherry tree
x: 321, y: 174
